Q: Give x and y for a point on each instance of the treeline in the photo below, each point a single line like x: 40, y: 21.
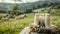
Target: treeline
x: 36, y: 5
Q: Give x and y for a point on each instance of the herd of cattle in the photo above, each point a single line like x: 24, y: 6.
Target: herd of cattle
x: 17, y: 17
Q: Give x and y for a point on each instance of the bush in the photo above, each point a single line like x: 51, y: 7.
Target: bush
x: 14, y: 11
x: 1, y: 16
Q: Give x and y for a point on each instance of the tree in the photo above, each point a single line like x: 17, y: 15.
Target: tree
x: 14, y: 10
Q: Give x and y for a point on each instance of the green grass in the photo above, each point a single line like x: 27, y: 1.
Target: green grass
x: 55, y: 20
x: 14, y: 26
x: 2, y: 15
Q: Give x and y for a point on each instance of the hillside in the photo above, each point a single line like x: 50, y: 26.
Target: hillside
x: 24, y: 6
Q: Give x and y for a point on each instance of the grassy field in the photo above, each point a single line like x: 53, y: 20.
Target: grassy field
x: 14, y: 26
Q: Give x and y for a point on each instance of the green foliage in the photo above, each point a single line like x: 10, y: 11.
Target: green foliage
x: 15, y: 7
x: 2, y: 15
x: 28, y: 10
x: 14, y: 10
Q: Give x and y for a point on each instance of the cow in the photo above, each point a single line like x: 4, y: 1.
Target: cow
x: 5, y: 19
x: 20, y: 17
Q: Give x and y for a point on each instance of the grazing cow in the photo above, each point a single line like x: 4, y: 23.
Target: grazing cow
x: 4, y: 19
x: 20, y: 17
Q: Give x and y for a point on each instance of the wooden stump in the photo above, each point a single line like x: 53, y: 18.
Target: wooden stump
x: 45, y: 31
x: 27, y: 30
x: 51, y: 30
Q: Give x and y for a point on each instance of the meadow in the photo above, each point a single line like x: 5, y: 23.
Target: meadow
x: 14, y: 26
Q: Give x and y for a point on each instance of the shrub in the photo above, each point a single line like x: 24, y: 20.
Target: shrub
x: 14, y: 10
x: 1, y: 16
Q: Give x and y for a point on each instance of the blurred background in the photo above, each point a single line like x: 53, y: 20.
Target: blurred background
x: 17, y: 14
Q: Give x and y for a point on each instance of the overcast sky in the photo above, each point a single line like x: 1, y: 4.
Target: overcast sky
x: 22, y: 1
x: 17, y: 1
